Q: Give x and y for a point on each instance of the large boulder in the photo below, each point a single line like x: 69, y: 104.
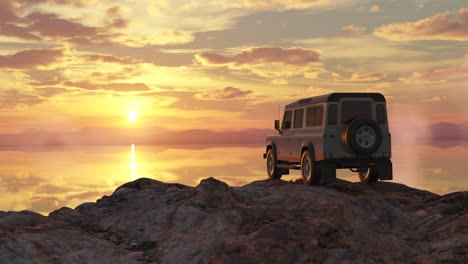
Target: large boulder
x: 148, y: 221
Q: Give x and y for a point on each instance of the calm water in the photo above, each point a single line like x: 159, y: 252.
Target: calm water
x: 44, y: 180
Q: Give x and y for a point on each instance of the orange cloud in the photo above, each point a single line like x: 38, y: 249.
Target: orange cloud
x: 39, y: 25
x: 262, y: 55
x: 443, y: 74
x: 438, y: 27
x: 274, y: 4
x: 224, y: 94
x: 58, y: 2
x: 30, y: 59
x: 99, y: 58
x: 116, y: 87
x: 373, y: 76
x: 114, y: 11
x: 269, y: 62
x: 353, y: 31
x: 11, y: 99
x: 375, y: 9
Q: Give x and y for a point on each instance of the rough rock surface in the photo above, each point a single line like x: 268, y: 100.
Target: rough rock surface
x: 148, y: 221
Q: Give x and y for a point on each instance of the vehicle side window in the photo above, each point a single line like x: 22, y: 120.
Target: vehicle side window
x: 314, y: 116
x: 287, y: 120
x: 380, y: 110
x: 298, y: 113
x: 332, y: 114
x: 318, y: 116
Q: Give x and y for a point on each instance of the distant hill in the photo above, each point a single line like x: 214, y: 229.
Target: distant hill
x: 120, y: 136
x: 449, y: 131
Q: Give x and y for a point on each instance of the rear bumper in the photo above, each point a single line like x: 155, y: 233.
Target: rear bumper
x: 347, y: 163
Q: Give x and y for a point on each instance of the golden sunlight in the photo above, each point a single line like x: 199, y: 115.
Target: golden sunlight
x: 132, y: 116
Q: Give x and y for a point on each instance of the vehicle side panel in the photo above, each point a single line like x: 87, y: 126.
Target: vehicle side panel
x: 307, y: 137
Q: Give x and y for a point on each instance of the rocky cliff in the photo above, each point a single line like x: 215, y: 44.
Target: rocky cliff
x: 148, y: 221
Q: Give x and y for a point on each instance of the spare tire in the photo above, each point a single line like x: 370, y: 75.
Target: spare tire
x: 362, y: 136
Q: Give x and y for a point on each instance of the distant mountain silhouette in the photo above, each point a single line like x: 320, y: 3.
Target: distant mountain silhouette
x: 449, y: 131
x: 122, y: 136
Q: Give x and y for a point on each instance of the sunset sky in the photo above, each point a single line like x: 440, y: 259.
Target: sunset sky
x: 223, y: 65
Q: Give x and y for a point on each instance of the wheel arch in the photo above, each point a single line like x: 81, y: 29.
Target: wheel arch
x: 310, y: 147
x: 270, y: 145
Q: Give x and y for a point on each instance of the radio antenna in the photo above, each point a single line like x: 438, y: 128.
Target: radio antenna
x: 279, y: 111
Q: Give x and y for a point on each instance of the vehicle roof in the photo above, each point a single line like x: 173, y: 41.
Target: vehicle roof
x: 333, y: 97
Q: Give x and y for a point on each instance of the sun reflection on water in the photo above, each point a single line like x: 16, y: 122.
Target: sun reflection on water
x: 42, y: 181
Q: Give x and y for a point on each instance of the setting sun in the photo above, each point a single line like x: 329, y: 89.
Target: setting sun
x: 132, y: 116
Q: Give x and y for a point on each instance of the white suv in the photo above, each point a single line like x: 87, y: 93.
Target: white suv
x: 333, y: 131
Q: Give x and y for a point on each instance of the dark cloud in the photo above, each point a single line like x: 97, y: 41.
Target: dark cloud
x: 51, y: 25
x: 438, y: 27
x: 46, y: 83
x: 119, y: 23
x: 29, y: 59
x: 15, y: 183
x: 44, y: 204
x: 51, y: 91
x: 12, y: 30
x: 263, y: 55
x: 6, y: 12
x: 224, y: 94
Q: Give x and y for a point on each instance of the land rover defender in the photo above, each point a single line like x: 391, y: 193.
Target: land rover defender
x: 334, y: 131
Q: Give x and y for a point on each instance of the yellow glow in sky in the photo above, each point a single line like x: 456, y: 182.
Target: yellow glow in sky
x: 132, y: 116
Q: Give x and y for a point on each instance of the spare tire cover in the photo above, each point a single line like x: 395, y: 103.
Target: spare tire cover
x: 362, y: 136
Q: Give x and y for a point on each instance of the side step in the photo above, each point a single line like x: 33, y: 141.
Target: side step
x: 290, y: 166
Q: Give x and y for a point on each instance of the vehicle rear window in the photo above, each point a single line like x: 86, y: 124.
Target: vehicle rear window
x: 332, y: 114
x: 314, y: 116
x: 287, y: 120
x: 380, y: 110
x: 351, y: 110
x: 298, y: 113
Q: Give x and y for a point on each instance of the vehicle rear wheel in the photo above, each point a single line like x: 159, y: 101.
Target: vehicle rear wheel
x: 369, y: 175
x: 309, y: 169
x: 272, y: 165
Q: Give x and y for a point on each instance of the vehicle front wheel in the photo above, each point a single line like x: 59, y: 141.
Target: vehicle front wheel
x: 309, y: 169
x: 369, y: 175
x: 272, y: 165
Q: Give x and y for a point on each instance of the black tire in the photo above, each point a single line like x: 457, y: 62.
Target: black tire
x: 369, y: 175
x: 309, y: 169
x: 272, y: 165
x: 362, y: 136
